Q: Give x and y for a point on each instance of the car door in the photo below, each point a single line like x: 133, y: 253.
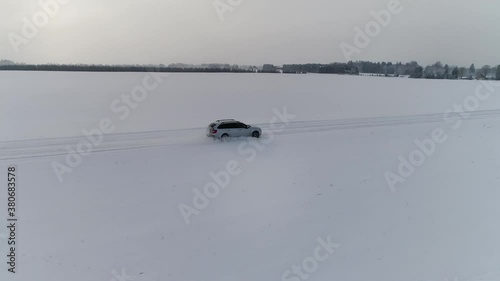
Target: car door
x: 232, y: 129
x: 244, y: 131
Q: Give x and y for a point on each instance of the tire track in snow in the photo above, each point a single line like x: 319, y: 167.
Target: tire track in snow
x: 196, y: 136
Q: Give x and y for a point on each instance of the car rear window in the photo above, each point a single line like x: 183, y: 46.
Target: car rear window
x: 212, y: 125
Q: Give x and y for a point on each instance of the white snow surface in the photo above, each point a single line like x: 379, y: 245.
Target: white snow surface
x: 322, y: 176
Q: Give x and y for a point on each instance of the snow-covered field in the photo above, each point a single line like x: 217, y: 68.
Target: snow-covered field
x: 319, y: 177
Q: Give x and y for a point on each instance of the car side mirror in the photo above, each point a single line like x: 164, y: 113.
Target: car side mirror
x: 248, y: 126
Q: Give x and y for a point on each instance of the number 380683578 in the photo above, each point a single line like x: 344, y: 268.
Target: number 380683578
x: 11, y: 190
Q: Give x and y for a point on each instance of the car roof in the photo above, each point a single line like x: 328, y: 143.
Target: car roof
x: 225, y: 120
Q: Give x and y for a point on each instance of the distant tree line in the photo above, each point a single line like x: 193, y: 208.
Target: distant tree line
x: 434, y: 71
x: 409, y: 69
x: 412, y: 69
x: 332, y: 68
x: 115, y: 68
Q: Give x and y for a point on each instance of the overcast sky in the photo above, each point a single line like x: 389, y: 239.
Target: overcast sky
x: 255, y: 32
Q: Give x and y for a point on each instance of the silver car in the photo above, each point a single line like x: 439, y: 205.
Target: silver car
x: 230, y: 128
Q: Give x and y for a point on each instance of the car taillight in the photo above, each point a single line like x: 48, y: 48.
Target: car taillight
x: 214, y: 131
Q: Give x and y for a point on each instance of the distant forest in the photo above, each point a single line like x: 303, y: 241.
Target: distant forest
x: 387, y: 69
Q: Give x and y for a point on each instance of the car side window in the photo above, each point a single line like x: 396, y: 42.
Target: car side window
x: 223, y: 126
x: 232, y: 125
x: 241, y: 125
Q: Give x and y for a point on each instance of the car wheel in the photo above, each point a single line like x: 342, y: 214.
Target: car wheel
x: 256, y: 134
x: 225, y: 137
